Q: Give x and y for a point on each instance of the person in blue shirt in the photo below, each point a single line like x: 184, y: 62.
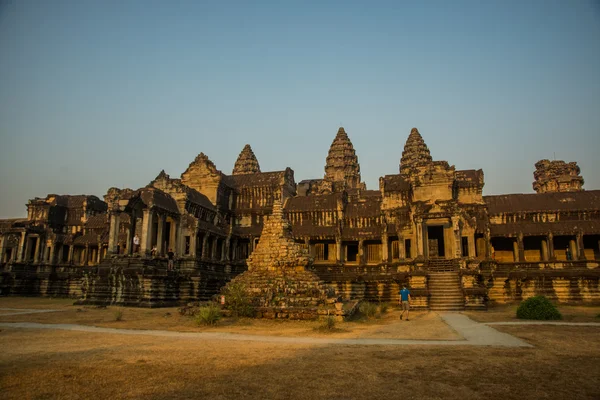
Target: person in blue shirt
x: 405, y: 301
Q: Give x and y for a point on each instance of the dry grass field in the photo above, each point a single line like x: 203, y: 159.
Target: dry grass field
x: 50, y: 364
x: 509, y: 313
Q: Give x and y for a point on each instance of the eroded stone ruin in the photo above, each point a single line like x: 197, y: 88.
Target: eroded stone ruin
x: 428, y: 226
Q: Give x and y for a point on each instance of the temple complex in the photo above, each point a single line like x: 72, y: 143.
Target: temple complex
x: 428, y: 226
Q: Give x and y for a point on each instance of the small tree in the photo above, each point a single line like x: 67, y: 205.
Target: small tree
x: 237, y: 300
x: 538, y: 308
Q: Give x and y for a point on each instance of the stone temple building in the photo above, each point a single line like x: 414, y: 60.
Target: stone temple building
x: 428, y: 226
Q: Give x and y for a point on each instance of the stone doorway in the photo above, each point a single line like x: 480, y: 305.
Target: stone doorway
x: 435, y: 241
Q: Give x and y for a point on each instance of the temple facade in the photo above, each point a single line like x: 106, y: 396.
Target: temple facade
x: 428, y: 218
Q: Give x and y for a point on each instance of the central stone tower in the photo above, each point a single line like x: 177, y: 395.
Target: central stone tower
x: 342, y: 169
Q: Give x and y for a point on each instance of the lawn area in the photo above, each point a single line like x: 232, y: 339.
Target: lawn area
x: 423, y: 325
x: 48, y: 364
x: 509, y: 313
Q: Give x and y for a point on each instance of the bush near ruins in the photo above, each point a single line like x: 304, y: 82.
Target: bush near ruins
x: 208, y: 315
x: 368, y: 310
x: 118, y: 315
x: 538, y: 308
x: 383, y: 307
x: 328, y: 323
x: 237, y: 300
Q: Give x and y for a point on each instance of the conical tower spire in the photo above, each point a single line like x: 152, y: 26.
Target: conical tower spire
x: 415, y: 154
x: 342, y: 162
x: 246, y: 162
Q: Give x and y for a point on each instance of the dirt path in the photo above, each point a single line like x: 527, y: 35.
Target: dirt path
x: 474, y: 334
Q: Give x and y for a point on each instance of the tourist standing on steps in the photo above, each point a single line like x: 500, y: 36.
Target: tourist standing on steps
x: 404, y: 301
x: 171, y: 258
x: 136, y: 243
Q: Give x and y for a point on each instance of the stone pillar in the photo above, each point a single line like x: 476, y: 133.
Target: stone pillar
x: 457, y: 238
x: 521, y: 247
x: 551, y: 256
x: 420, y: 238
x: 21, y: 248
x: 113, y: 233
x: 338, y: 249
x: 61, y: 253
x: 52, y: 250
x: 145, y: 240
x: 573, y: 248
x: 2, y: 242
x: 36, y: 252
x: 361, y: 251
x: 385, y: 252
x: 233, y: 249
x: 580, y: 247
x: 223, y: 249
x: 226, y: 248
x: 99, y: 255
x: 159, y: 235
x: 516, y: 250
x: 544, y: 250
x: 71, y: 250
x: 179, y: 242
x: 86, y: 254
x: 402, y: 248
x: 205, y: 254
x: 471, y: 244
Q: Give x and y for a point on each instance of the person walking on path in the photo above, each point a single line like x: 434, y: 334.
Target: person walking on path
x: 404, y: 301
x: 170, y: 259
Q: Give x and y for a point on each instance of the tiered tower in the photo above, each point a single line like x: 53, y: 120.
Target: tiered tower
x: 342, y: 168
x: 557, y: 176
x: 415, y: 153
x: 246, y: 162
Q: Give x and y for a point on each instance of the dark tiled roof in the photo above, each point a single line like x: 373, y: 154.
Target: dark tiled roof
x: 7, y: 224
x: 196, y: 197
x: 88, y: 238
x: 152, y: 197
x: 258, y: 179
x: 371, y: 208
x: 540, y: 228
x: 316, y: 202
x: 395, y: 183
x: 98, y: 221
x: 585, y: 200
x: 312, y: 231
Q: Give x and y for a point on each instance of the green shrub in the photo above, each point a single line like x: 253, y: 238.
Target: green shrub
x: 383, y: 307
x: 328, y: 323
x: 538, y: 308
x: 237, y: 300
x: 367, y: 309
x: 208, y: 315
x: 118, y: 315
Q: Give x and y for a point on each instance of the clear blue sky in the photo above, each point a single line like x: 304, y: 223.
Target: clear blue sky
x: 95, y: 94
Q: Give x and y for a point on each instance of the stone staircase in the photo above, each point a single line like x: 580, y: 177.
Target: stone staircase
x: 445, y: 291
x: 442, y: 265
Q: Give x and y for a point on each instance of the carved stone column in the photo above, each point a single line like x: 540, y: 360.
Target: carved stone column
x: 113, y: 233
x: 544, y: 250
x: 361, y: 252
x: 2, y: 245
x: 420, y: 239
x: 51, y: 258
x: 580, y: 247
x: 457, y: 237
x: 516, y: 250
x: 179, y: 242
x: 61, y: 254
x: 205, y: 254
x: 402, y: 248
x: 573, y: 248
x: 551, y: 256
x: 226, y: 248
x: 23, y: 247
x: 71, y: 250
x: 145, y: 242
x: 159, y: 235
x: 338, y: 249
x: 385, y: 252
x: 86, y: 254
x: 36, y: 252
